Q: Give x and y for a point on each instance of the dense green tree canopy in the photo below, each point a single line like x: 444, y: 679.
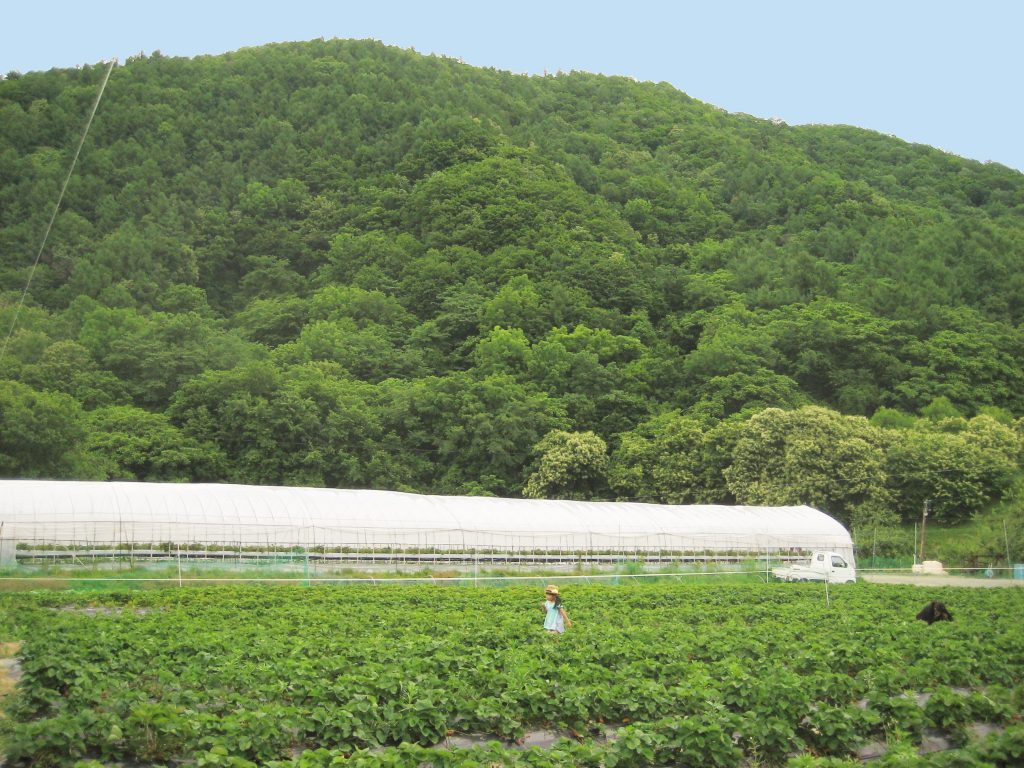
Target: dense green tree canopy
x: 812, y: 456
x: 570, y: 465
x: 341, y: 263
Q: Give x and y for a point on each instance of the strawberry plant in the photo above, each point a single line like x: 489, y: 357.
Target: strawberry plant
x: 899, y: 715
x: 946, y: 709
x: 1005, y: 750
x: 768, y: 739
x: 156, y: 732
x: 367, y: 676
x: 836, y: 731
x: 994, y: 705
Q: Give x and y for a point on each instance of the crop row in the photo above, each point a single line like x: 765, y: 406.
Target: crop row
x: 260, y: 674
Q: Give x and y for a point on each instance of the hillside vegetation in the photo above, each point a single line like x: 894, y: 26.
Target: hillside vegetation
x: 339, y: 263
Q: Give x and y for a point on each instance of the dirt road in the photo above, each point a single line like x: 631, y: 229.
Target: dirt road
x: 922, y: 580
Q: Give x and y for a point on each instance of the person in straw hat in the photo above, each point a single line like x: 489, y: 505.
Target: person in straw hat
x: 555, y: 617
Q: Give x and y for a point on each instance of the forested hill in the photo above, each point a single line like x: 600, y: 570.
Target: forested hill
x: 341, y: 263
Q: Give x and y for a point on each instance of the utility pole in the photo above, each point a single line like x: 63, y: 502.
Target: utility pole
x: 924, y: 519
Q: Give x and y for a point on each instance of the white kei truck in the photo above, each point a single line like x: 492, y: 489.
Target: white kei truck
x: 823, y: 566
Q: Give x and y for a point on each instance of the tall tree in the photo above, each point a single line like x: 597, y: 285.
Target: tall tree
x: 569, y: 466
x: 812, y: 456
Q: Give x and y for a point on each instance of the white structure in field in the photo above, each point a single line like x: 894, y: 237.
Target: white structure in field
x: 101, y: 514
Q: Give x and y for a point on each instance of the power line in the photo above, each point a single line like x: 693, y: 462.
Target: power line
x: 56, y: 208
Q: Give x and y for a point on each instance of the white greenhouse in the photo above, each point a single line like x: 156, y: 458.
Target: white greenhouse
x: 115, y: 516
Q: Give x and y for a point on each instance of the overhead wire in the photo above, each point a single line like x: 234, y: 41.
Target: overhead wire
x: 56, y: 208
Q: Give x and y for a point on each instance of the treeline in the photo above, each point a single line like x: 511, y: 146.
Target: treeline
x: 344, y: 264
x: 490, y: 431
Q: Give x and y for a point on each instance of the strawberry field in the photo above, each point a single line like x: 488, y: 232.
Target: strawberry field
x: 659, y: 674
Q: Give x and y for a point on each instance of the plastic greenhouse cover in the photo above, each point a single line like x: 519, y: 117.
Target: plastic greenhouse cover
x: 74, y: 512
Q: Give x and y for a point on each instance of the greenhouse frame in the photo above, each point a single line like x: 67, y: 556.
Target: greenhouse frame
x: 140, y: 517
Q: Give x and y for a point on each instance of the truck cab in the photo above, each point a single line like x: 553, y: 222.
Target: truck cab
x: 823, y: 566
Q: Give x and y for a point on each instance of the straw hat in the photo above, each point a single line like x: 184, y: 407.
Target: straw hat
x: 551, y: 590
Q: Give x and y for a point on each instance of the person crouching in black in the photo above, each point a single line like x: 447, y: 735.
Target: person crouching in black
x: 935, y: 611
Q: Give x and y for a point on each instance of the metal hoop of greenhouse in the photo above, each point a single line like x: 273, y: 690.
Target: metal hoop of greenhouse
x: 38, y: 515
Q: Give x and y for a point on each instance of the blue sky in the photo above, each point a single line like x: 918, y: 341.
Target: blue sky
x: 940, y: 73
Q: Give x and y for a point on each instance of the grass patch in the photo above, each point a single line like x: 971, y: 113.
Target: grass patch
x: 105, y: 579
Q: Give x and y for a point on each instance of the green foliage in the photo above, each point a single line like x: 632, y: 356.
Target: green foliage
x: 136, y: 444
x: 837, y: 730
x: 309, y: 426
x: 890, y: 418
x: 649, y: 675
x: 957, y: 466
x: 661, y: 460
x: 940, y: 409
x: 1006, y: 749
x: 68, y: 367
x: 811, y: 456
x: 569, y: 466
x: 337, y: 262
x: 41, y: 433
